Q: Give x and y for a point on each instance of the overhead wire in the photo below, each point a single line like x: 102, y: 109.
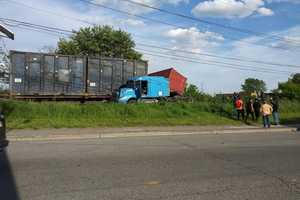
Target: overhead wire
x: 145, y: 18
x: 242, y: 30
x: 211, y: 61
x: 68, y: 32
x: 207, y: 63
x: 217, y: 56
x: 178, y: 26
x: 141, y: 44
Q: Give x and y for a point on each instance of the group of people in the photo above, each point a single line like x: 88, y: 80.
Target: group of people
x: 255, y: 108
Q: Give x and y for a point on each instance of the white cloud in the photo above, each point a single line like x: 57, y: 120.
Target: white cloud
x: 265, y: 11
x: 192, y: 39
x: 230, y: 8
x: 133, y: 22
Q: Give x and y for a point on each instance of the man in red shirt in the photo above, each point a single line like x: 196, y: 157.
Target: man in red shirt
x: 239, y: 106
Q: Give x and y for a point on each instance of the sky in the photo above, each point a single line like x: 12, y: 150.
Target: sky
x: 274, y: 27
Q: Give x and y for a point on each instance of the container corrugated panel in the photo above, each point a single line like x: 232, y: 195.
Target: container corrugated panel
x: 77, y: 73
x: 94, y: 71
x: 107, y: 74
x: 177, y: 80
x: 129, y: 71
x: 51, y: 74
x: 141, y: 68
x: 17, y: 71
x: 46, y: 74
x: 117, y: 73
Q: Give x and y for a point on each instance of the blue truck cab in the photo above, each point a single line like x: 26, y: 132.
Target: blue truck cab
x: 144, y: 88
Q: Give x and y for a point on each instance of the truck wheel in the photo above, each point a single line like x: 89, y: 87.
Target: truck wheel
x: 131, y: 101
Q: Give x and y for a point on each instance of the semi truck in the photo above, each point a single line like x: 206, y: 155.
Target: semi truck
x: 152, y: 88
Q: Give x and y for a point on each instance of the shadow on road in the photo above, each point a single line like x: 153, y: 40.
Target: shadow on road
x: 294, y: 123
x: 8, y: 188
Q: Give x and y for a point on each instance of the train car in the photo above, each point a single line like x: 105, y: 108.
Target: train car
x: 53, y: 76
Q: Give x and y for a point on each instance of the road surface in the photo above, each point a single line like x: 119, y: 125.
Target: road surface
x: 225, y: 167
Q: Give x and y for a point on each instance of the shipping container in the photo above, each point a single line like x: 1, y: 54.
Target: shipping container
x: 39, y: 74
x: 177, y: 80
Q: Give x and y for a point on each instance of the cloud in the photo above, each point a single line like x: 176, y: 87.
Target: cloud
x: 231, y: 8
x: 133, y: 22
x: 265, y: 11
x: 192, y: 39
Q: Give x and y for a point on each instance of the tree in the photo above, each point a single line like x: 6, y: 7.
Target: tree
x: 193, y: 92
x: 252, y: 85
x: 99, y: 41
x: 296, y: 78
x: 291, y: 88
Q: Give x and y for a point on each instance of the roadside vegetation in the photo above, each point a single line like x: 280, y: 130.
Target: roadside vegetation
x: 195, y: 108
x: 69, y: 115
x: 75, y: 115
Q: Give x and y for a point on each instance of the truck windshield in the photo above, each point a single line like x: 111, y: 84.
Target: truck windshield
x: 142, y: 86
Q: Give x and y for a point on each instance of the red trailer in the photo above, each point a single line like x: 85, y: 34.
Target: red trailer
x: 177, y: 80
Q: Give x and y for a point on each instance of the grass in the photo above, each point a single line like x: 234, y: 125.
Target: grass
x: 34, y: 115
x: 69, y: 115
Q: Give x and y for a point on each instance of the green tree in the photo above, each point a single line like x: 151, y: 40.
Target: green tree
x: 194, y: 93
x: 191, y: 91
x: 99, y: 40
x: 254, y: 85
x: 291, y: 88
x: 296, y: 78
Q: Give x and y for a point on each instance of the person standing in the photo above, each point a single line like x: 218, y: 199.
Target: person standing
x: 256, y: 106
x: 249, y: 109
x: 266, y: 110
x: 239, y: 105
x: 275, y: 106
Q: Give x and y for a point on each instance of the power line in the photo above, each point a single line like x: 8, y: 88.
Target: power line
x: 215, y: 62
x: 35, y: 26
x: 207, y: 63
x: 247, y: 31
x: 225, y: 65
x: 141, y: 17
x: 217, y: 56
x: 175, y: 25
x: 68, y: 32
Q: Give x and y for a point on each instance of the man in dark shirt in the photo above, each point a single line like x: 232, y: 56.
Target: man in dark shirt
x: 256, y: 106
x: 249, y: 109
x: 275, y: 105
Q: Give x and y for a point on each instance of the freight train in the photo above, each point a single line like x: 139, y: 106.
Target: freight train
x: 61, y: 77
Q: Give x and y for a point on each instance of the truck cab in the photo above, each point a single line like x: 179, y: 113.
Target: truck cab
x: 144, y: 88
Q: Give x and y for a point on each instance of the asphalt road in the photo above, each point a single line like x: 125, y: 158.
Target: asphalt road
x: 225, y: 167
